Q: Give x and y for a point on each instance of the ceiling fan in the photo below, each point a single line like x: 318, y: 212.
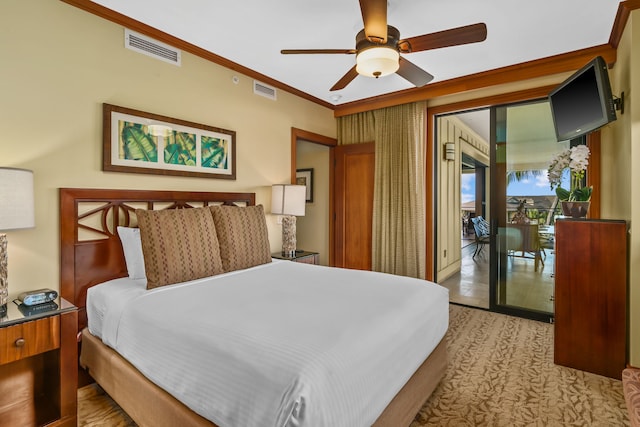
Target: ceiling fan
x: 378, y: 46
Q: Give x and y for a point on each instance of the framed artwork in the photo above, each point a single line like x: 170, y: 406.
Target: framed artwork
x: 140, y: 142
x: 305, y: 177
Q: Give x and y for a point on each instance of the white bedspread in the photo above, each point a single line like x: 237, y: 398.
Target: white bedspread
x: 282, y: 344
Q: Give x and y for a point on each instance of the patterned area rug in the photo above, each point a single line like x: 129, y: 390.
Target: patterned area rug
x: 500, y: 373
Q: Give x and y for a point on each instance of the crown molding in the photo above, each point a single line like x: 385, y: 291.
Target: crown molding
x: 135, y: 25
x: 551, y: 65
x: 556, y: 64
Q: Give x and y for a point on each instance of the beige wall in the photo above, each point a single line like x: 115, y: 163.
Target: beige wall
x: 449, y: 225
x: 313, y: 228
x: 620, y: 174
x: 60, y: 64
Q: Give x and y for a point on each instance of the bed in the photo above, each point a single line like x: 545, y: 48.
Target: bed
x: 327, y: 390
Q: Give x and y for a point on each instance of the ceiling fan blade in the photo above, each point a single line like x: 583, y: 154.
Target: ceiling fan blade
x: 453, y: 37
x: 346, y: 79
x: 414, y: 74
x: 312, y: 51
x: 374, y: 16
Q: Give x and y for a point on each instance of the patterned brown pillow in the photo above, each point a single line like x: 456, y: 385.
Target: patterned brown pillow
x: 243, y: 236
x: 178, y: 245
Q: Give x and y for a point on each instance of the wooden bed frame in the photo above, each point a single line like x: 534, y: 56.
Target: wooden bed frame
x: 91, y: 253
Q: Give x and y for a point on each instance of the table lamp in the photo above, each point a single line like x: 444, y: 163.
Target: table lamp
x: 16, y: 211
x: 289, y: 201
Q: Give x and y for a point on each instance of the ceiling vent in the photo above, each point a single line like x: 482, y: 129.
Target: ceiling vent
x: 264, y: 90
x: 150, y: 47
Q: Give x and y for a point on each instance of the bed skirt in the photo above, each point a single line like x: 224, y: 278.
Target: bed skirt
x: 149, y: 405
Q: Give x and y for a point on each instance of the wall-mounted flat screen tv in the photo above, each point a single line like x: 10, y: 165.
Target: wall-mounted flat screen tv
x: 583, y: 102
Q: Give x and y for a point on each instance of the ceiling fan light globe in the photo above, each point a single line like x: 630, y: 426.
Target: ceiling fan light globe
x: 377, y: 61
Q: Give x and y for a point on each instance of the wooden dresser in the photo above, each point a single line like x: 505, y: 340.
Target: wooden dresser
x: 591, y: 295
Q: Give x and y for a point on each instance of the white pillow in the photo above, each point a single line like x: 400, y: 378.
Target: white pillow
x: 132, y: 247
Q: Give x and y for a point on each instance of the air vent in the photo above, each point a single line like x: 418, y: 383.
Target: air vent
x: 264, y: 90
x: 150, y: 47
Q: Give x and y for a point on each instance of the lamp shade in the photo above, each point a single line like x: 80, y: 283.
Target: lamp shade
x: 16, y: 199
x: 377, y: 61
x: 288, y: 199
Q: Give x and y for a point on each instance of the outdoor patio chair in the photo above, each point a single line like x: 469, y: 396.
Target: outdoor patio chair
x: 481, y: 229
x: 523, y: 240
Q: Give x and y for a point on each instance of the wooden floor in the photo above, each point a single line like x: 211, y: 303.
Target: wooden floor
x: 526, y: 288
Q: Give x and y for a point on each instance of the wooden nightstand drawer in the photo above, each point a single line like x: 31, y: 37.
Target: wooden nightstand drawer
x: 29, y: 338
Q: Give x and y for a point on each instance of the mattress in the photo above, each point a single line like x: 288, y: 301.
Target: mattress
x: 282, y: 344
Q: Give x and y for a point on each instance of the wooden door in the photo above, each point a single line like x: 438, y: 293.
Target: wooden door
x: 354, y: 170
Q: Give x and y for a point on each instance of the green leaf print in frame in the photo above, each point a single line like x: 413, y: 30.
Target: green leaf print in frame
x: 182, y: 150
x: 214, y: 152
x: 136, y: 143
x: 140, y: 142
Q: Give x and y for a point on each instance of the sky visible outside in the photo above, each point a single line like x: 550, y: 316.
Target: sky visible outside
x: 538, y: 186
x: 467, y: 187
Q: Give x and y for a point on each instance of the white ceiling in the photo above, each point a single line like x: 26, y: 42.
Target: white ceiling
x: 531, y: 138
x: 479, y: 121
x: 252, y: 33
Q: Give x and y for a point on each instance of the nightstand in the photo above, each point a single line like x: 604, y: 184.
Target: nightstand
x: 38, y: 366
x: 300, y: 256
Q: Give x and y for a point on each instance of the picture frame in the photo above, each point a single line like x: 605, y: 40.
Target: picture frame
x: 305, y: 177
x: 140, y: 142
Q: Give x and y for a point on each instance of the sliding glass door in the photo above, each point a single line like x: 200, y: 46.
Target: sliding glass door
x: 523, y: 210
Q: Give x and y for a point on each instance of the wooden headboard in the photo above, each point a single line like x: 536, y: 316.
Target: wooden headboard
x: 90, y: 249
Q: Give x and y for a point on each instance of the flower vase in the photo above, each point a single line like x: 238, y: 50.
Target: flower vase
x: 575, y: 209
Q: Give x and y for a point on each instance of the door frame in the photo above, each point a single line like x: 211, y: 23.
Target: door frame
x: 303, y: 135
x: 593, y: 170
x: 498, y: 260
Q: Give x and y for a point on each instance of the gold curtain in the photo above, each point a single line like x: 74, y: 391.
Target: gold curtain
x: 356, y: 128
x: 398, y: 201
